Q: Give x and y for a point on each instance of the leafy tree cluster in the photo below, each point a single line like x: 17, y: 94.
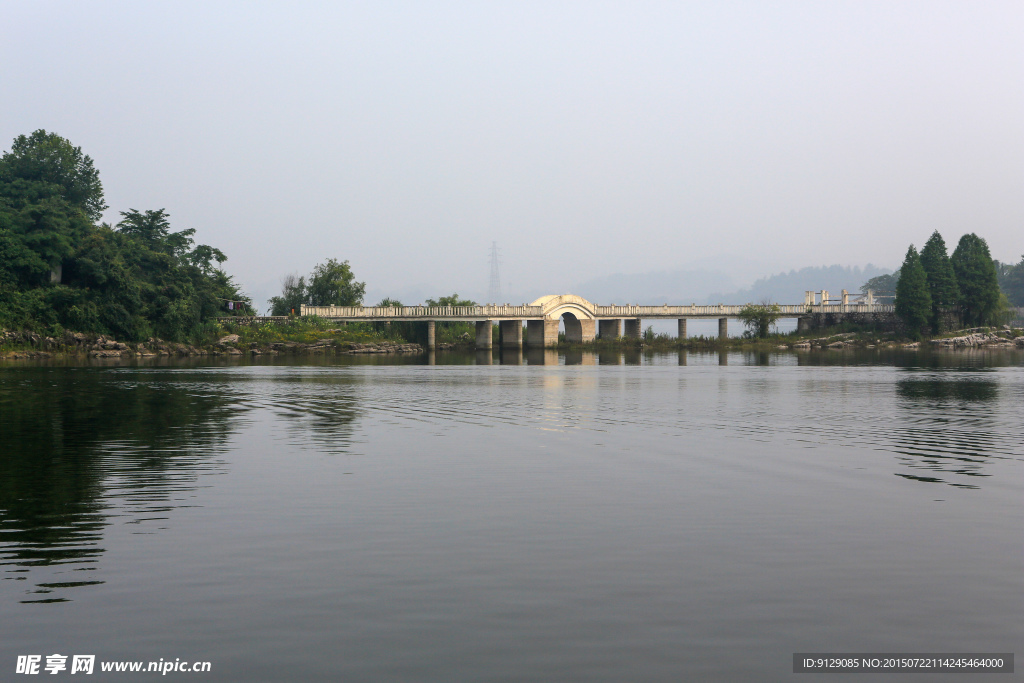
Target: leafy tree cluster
x: 881, y: 284
x: 933, y: 284
x: 59, y: 269
x: 451, y: 300
x: 293, y: 295
x: 331, y: 283
x: 405, y: 331
x: 453, y: 331
x: 759, y: 318
x: 1011, y: 281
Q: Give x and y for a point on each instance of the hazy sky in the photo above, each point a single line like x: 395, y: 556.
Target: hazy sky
x: 586, y: 138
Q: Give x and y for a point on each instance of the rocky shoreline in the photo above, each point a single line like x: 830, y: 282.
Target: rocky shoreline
x: 77, y: 344
x: 981, y: 338
x: 28, y: 345
x: 976, y: 338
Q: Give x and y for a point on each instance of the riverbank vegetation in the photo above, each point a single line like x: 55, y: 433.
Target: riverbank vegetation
x: 313, y: 335
x: 759, y: 318
x: 936, y: 292
x: 331, y: 283
x: 62, y: 270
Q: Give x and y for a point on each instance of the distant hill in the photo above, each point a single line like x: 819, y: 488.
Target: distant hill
x: 789, y: 288
x: 704, y: 286
x: 677, y: 287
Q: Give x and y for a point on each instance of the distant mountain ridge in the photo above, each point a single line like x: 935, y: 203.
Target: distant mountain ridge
x: 677, y: 287
x: 705, y: 286
x: 789, y: 288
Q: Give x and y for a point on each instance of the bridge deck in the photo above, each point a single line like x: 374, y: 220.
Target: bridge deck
x: 474, y: 313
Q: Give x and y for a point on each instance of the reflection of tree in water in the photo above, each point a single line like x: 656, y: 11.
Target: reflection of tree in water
x: 906, y: 358
x: 948, y: 391
x: 949, y: 427
x: 84, y: 445
x: 319, y: 407
x: 760, y: 358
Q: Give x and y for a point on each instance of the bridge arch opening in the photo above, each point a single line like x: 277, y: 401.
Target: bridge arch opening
x: 573, y: 328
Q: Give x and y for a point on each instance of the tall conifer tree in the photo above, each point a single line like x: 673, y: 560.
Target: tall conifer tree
x: 941, y: 279
x: 976, y: 278
x: 913, y: 302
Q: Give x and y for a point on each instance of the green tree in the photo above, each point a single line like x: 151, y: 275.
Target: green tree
x: 452, y: 300
x: 36, y: 239
x: 881, y: 284
x: 942, y: 285
x: 153, y: 228
x: 453, y: 331
x: 1011, y: 281
x: 406, y: 331
x: 44, y: 165
x: 759, y: 318
x: 293, y: 295
x: 913, y: 302
x: 976, y: 277
x: 150, y: 227
x: 49, y: 195
x: 333, y: 284
x: 60, y: 270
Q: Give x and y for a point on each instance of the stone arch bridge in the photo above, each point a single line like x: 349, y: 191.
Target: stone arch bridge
x: 584, y: 321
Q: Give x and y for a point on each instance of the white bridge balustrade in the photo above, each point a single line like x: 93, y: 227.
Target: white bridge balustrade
x: 421, y: 313
x: 583, y: 319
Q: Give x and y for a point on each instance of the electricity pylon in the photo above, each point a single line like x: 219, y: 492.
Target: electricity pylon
x: 494, y: 290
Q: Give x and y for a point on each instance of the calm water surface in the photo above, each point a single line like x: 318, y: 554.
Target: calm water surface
x: 490, y: 518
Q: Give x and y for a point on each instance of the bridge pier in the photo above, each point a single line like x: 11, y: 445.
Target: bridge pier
x: 431, y: 335
x: 632, y: 328
x: 484, y: 334
x: 587, y: 333
x: 723, y: 328
x: 534, y: 334
x: 609, y: 329
x: 803, y: 324
x: 682, y: 329
x: 550, y: 332
x: 541, y: 333
x: 511, y: 334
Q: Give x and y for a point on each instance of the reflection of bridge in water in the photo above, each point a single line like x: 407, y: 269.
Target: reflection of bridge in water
x: 584, y: 321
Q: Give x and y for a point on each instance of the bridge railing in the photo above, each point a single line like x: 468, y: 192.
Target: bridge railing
x: 425, y: 312
x: 731, y: 311
x: 505, y: 312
